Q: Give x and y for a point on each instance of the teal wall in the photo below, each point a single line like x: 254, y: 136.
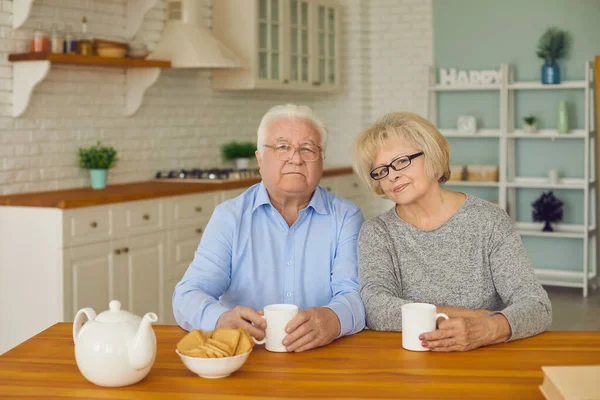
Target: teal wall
x: 483, y: 34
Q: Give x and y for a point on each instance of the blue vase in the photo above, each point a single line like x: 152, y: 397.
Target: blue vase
x: 550, y: 73
x: 98, y: 178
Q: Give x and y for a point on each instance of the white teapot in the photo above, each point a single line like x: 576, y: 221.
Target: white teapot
x: 115, y: 348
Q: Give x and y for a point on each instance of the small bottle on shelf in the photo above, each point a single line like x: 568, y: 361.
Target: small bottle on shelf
x: 40, y: 42
x: 84, y: 46
x: 56, y: 40
x: 70, y: 46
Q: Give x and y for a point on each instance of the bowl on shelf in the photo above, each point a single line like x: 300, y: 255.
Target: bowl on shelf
x: 137, y: 50
x: 110, y: 48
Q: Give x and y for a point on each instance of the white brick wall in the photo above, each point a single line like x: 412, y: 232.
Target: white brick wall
x: 401, y: 51
x: 386, y: 45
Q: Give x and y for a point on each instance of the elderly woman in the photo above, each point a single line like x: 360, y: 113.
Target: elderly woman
x: 284, y: 240
x: 438, y: 246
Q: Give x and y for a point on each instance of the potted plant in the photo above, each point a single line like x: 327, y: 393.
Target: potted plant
x: 241, y: 152
x: 547, y: 208
x: 553, y: 45
x: 530, y: 126
x: 98, y: 159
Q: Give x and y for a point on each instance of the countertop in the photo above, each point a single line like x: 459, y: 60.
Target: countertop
x: 369, y: 364
x: 86, y: 197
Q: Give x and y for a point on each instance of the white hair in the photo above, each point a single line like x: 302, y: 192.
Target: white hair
x: 291, y: 111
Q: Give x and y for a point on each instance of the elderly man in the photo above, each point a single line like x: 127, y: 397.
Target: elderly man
x: 284, y: 240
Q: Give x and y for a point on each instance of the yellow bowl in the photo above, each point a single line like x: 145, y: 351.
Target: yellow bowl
x: 111, y: 52
x: 213, y: 368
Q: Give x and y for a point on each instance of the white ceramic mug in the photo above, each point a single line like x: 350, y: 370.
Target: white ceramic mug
x: 418, y: 318
x: 277, y: 316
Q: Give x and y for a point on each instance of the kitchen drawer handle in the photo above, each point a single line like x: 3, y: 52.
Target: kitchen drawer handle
x: 125, y: 250
x: 146, y: 217
x: 199, y: 230
x: 355, y: 185
x: 198, y: 209
x: 118, y: 251
x: 93, y: 224
x: 316, y: 83
x: 285, y: 81
x: 328, y: 188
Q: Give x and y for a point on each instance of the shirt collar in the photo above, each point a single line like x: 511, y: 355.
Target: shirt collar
x: 316, y: 202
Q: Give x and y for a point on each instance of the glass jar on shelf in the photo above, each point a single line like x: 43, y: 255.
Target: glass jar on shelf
x: 40, y: 42
x: 70, y: 43
x: 84, y: 47
x: 56, y: 40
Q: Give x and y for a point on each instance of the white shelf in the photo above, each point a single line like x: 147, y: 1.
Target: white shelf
x: 543, y: 183
x: 510, y: 138
x: 31, y: 69
x: 486, y: 133
x: 570, y: 231
x: 549, y: 134
x: 541, y: 86
x: 568, y: 277
x: 463, y: 88
x: 472, y: 184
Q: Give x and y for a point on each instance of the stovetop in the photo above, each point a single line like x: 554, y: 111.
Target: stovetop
x: 206, y: 175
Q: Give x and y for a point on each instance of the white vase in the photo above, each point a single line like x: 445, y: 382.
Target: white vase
x: 241, y: 163
x: 530, y: 128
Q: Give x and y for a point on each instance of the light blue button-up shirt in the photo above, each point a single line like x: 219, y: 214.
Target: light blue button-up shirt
x: 249, y: 256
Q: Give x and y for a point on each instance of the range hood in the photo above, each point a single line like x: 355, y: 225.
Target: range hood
x: 187, y: 44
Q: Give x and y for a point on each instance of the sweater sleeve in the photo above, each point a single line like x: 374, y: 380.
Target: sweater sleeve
x: 380, y: 286
x: 527, y: 306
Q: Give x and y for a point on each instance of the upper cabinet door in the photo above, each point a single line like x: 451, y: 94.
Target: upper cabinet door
x: 278, y: 40
x: 300, y: 54
x: 327, y: 16
x: 270, y: 32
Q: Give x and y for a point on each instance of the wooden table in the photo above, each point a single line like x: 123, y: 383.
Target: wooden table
x: 367, y: 365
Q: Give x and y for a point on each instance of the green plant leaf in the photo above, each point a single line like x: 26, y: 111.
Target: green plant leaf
x: 97, y: 157
x: 553, y: 44
x: 233, y: 150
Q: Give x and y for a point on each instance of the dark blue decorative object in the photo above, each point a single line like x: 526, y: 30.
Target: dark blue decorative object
x: 550, y: 73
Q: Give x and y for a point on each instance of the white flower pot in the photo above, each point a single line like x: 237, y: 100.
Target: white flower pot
x: 530, y: 128
x: 241, y: 163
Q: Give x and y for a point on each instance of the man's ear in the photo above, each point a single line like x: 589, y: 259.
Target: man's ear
x: 258, y: 158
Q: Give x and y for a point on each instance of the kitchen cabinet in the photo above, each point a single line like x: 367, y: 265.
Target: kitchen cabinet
x: 288, y: 45
x: 56, y: 261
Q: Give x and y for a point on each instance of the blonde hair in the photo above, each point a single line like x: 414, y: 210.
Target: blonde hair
x: 291, y: 111
x: 408, y: 126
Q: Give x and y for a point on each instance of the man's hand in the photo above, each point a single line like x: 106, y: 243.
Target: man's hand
x: 244, y: 317
x: 310, y: 328
x: 463, y: 334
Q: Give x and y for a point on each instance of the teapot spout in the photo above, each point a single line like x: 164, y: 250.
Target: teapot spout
x: 142, y: 349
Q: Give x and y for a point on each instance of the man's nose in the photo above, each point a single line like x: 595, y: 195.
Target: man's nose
x: 296, y: 159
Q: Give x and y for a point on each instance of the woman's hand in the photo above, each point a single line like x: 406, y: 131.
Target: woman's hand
x: 467, y: 333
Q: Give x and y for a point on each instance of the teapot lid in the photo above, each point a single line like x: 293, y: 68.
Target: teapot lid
x: 115, y: 314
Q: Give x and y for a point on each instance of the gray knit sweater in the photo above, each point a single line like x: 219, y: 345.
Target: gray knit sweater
x: 474, y: 260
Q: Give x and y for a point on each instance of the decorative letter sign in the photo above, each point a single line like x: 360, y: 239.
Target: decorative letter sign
x: 473, y: 77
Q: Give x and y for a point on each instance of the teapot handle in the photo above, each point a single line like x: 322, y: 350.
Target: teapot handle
x: 78, y: 322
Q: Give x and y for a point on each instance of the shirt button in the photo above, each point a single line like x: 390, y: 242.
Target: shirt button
x: 289, y: 294
x: 272, y: 212
x: 289, y: 262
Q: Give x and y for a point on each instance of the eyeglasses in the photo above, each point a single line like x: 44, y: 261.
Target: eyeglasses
x: 397, y: 164
x: 285, y: 151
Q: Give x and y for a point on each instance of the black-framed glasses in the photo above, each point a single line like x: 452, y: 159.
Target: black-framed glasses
x: 397, y: 164
x: 284, y: 151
